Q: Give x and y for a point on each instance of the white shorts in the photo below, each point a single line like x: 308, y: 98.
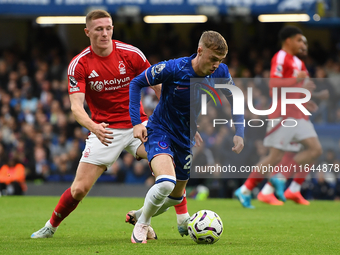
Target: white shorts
x: 97, y: 153
x: 288, y: 138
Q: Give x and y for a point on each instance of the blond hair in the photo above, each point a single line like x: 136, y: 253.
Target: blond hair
x: 214, y: 41
x: 97, y: 14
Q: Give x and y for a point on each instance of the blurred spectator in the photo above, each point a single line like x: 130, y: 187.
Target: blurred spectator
x: 324, y: 188
x: 40, y: 168
x: 116, y: 171
x: 139, y: 173
x: 12, y: 177
x: 29, y: 103
x: 3, y: 155
x: 324, y: 96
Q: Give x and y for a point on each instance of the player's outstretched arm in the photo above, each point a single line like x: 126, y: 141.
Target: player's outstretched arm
x: 238, y: 121
x: 77, y: 107
x: 135, y: 88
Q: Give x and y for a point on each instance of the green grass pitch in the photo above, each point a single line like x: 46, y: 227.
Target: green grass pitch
x: 97, y: 227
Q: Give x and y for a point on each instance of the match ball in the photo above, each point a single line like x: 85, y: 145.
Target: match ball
x: 205, y: 227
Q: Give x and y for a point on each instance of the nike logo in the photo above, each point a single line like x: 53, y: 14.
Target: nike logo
x: 136, y: 240
x: 159, y: 199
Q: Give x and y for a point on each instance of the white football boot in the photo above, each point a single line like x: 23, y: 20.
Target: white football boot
x: 183, y: 227
x: 131, y: 218
x: 46, y: 232
x: 139, y: 233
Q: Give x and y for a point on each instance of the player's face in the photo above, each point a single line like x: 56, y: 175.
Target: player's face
x: 209, y: 60
x: 297, y: 44
x: 100, y: 32
x: 304, y: 49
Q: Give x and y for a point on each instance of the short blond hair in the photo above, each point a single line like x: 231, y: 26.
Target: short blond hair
x: 214, y: 41
x: 97, y: 14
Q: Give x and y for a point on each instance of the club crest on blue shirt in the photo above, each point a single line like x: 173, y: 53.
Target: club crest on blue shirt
x: 163, y: 145
x: 157, y: 69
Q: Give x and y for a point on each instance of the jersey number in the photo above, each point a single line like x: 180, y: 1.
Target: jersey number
x: 188, y: 164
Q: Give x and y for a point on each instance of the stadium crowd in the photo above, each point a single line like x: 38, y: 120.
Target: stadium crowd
x: 38, y: 130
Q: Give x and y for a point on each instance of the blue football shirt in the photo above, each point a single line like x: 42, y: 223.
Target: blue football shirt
x: 172, y: 114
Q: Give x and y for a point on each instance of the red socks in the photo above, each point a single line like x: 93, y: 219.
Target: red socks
x: 182, y: 208
x: 300, y: 172
x: 253, y: 180
x: 288, y: 161
x: 301, y: 176
x: 64, y: 207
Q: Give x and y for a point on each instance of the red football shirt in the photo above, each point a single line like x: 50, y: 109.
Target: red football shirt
x: 285, y: 65
x: 105, y: 82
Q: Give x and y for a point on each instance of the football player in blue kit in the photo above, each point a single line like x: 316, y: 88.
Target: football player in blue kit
x: 169, y: 135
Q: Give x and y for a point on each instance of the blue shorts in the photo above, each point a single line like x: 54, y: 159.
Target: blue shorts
x: 160, y: 143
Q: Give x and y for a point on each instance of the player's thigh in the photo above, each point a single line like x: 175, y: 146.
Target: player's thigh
x: 275, y: 156
x: 141, y: 152
x: 98, y: 154
x: 179, y: 188
x: 162, y: 164
x: 86, y: 175
x: 183, y: 161
x: 134, y: 145
x: 312, y: 143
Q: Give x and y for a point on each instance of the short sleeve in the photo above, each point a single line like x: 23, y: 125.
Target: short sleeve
x: 138, y: 60
x: 76, y: 77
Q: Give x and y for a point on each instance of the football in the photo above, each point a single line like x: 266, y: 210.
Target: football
x: 205, y: 227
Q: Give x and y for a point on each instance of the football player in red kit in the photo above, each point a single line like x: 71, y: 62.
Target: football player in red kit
x: 101, y: 75
x: 279, y: 139
x: 293, y: 191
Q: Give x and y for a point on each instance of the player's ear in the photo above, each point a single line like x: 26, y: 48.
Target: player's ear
x: 199, y: 50
x: 86, y: 31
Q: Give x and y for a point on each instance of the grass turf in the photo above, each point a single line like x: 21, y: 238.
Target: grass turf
x: 97, y: 227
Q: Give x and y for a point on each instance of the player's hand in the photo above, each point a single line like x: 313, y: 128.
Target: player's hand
x: 198, y: 139
x: 139, y: 131
x: 311, y: 106
x: 301, y: 76
x: 102, y: 133
x: 310, y: 85
x: 238, y: 144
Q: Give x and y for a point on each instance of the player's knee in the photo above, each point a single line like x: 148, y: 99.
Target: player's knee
x: 276, y: 158
x: 79, y: 192
x: 316, y: 152
x: 166, y: 187
x: 166, y: 184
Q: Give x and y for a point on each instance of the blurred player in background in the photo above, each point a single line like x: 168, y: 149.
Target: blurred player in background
x: 100, y: 74
x: 293, y: 191
x: 168, y: 137
x: 285, y: 64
